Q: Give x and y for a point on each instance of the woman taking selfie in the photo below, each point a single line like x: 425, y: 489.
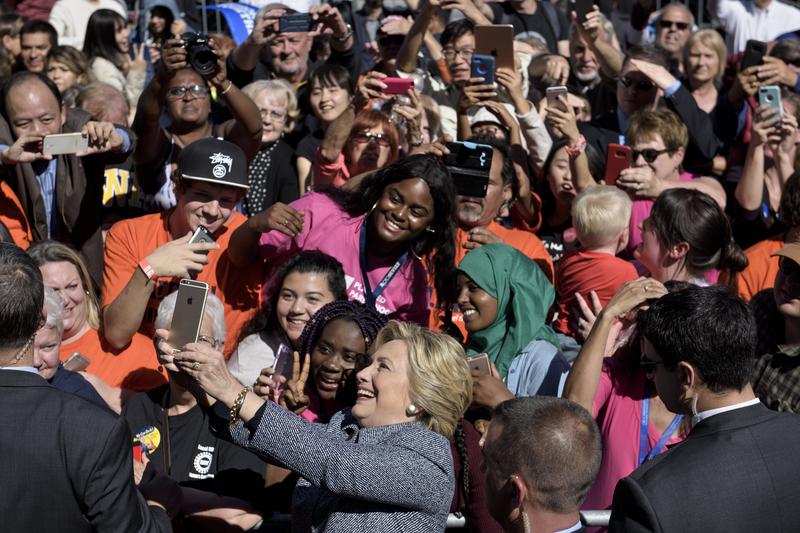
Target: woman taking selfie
x: 383, y: 465
x: 380, y: 232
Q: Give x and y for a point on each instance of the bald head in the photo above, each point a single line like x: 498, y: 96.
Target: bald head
x: 32, y: 105
x: 674, y: 28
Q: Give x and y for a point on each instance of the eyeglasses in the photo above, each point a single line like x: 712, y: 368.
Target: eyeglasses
x: 365, y: 136
x: 648, y: 364
x: 649, y: 154
x: 667, y: 24
x: 451, y: 53
x: 196, y: 91
x: 276, y: 116
x: 641, y: 86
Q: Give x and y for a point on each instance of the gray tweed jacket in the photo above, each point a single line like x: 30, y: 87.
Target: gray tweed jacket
x: 396, y: 478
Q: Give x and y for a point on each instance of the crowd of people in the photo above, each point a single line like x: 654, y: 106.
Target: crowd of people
x: 566, y: 281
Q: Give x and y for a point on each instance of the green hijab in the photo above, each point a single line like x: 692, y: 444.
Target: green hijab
x: 524, y: 296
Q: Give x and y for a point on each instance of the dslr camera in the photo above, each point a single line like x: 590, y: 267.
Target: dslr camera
x: 199, y: 54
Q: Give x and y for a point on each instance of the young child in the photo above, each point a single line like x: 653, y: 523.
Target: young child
x: 600, y: 216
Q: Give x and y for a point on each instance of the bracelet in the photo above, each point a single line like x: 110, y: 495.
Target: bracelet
x: 237, y: 405
x: 347, y: 35
x: 228, y: 88
x: 575, y: 151
x: 147, y: 268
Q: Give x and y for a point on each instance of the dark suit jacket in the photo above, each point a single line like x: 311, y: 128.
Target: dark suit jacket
x: 66, y: 463
x: 79, y: 194
x: 703, y: 143
x: 736, y: 471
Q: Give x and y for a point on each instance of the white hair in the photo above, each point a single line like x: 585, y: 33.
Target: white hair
x: 54, y: 306
x: 214, y: 311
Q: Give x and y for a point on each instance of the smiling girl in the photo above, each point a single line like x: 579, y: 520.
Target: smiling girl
x: 306, y: 282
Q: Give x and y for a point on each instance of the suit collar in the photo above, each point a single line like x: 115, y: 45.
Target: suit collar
x: 746, y: 416
x: 14, y: 378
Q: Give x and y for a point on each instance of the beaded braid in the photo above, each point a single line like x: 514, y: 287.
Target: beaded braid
x: 461, y: 447
x: 369, y: 321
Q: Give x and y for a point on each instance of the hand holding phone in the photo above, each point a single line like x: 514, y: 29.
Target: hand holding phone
x: 188, y: 314
x: 469, y: 164
x: 553, y: 95
x: 618, y: 159
x: 480, y: 364
x: 770, y: 95
x: 65, y: 143
x: 483, y: 66
x: 397, y: 86
x: 295, y: 23
x: 754, y: 53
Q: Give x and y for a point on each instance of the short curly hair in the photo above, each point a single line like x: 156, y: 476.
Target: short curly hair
x: 440, y: 384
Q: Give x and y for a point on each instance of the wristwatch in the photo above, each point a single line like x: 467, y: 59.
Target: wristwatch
x: 346, y: 35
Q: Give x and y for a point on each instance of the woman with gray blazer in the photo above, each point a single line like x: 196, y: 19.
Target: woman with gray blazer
x: 385, y: 464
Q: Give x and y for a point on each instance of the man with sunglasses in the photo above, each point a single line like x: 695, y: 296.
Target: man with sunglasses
x: 737, y: 468
x: 672, y: 29
x: 776, y: 377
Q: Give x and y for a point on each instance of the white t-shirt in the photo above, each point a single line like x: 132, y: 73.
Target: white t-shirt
x: 742, y: 21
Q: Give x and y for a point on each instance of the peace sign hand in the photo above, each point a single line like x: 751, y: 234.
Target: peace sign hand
x: 294, y: 397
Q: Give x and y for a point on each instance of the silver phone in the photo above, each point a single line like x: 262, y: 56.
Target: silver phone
x: 188, y: 315
x: 65, y: 143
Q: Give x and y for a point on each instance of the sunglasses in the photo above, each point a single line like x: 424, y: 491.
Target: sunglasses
x: 667, y: 24
x: 649, y: 154
x: 641, y: 86
x: 364, y: 137
x: 648, y: 364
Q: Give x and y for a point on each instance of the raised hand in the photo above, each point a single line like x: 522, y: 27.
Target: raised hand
x: 279, y: 217
x: 294, y: 397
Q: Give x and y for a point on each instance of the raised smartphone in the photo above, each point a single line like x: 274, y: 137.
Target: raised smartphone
x: 582, y: 8
x: 496, y: 40
x: 553, y: 93
x: 295, y: 23
x: 469, y: 164
x: 617, y: 160
x: 201, y: 234
x: 397, y: 85
x: 188, y: 314
x: 771, y: 95
x: 754, y: 53
x: 65, y: 143
x: 483, y: 66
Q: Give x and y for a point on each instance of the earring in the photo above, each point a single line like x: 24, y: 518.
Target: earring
x: 430, y: 230
x: 411, y: 410
x: 371, y: 209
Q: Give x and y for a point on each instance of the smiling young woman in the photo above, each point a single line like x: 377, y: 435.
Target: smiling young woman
x: 378, y: 232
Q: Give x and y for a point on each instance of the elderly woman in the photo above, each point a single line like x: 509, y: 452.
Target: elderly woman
x: 383, y: 465
x: 46, y: 347
x: 272, y: 175
x: 171, y: 423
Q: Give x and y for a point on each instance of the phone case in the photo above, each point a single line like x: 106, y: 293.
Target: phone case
x: 480, y: 363
x: 770, y: 95
x: 469, y: 165
x: 582, y: 8
x: 188, y: 314
x: 397, y: 85
x: 201, y: 234
x: 483, y: 66
x: 619, y: 158
x: 65, y: 143
x: 552, y: 94
x: 753, y: 54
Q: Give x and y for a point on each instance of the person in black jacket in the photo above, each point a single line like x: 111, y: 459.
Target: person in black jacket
x: 737, y: 470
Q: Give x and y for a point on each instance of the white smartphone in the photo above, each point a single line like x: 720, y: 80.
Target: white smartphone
x: 65, y: 143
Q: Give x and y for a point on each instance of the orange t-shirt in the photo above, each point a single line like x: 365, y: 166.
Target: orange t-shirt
x: 135, y: 367
x: 130, y: 241
x: 13, y: 216
x: 761, y: 268
x: 524, y: 241
x: 581, y: 271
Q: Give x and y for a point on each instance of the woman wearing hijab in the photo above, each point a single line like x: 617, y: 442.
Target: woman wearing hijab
x: 505, y: 298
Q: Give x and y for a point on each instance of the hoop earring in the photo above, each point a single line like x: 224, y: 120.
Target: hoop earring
x: 371, y: 209
x: 414, y: 251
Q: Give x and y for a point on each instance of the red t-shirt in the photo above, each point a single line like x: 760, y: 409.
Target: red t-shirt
x: 580, y: 271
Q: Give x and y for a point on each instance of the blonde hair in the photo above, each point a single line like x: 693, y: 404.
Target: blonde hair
x: 440, y: 384
x: 54, y: 252
x: 710, y: 39
x: 276, y: 87
x: 645, y: 125
x: 600, y: 214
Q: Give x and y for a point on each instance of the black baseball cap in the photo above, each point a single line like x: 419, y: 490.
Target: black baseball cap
x: 215, y: 161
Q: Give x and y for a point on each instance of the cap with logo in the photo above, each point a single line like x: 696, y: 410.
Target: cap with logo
x: 215, y: 161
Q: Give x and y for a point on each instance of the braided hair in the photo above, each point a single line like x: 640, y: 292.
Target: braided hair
x: 460, y: 443
x: 369, y: 321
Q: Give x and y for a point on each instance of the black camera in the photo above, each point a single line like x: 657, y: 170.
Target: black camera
x: 199, y: 54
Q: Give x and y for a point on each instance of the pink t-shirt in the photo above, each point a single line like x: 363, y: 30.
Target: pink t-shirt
x: 618, y: 410
x: 329, y: 229
x: 640, y: 211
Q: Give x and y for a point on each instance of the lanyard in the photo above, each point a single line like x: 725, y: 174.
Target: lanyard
x: 643, y: 435
x: 370, y: 295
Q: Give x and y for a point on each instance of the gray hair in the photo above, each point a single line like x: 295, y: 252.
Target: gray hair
x: 278, y: 87
x: 214, y: 311
x: 54, y: 306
